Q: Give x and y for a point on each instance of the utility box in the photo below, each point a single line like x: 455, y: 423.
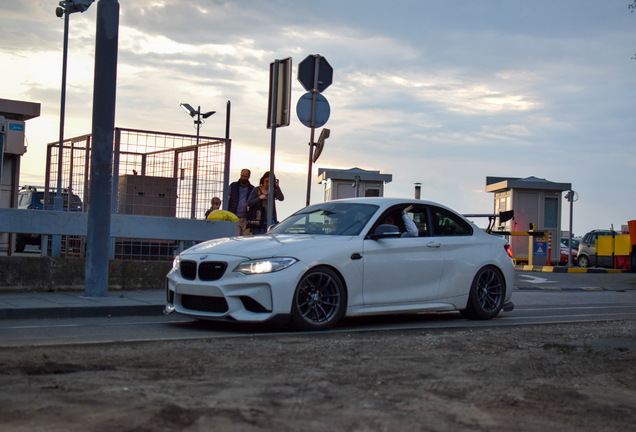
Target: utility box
x: 538, y: 252
x: 14, y: 137
x: 147, y: 196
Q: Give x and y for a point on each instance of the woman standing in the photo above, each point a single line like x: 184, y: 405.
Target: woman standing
x: 258, y: 201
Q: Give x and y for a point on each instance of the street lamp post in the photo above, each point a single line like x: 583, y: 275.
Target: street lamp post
x: 64, y: 10
x: 191, y: 112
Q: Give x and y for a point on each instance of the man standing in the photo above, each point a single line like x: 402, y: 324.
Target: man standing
x: 237, y: 204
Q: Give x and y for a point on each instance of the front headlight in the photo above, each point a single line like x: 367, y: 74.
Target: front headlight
x: 176, y: 262
x: 267, y: 265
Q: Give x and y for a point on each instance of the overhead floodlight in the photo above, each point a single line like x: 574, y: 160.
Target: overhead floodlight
x: 207, y: 114
x: 73, y: 6
x: 187, y: 108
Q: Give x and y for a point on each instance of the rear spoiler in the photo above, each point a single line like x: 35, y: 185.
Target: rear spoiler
x: 503, y: 217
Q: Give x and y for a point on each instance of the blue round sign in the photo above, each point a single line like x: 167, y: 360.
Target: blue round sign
x: 303, y: 109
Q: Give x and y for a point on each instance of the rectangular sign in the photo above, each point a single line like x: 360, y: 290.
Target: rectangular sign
x: 278, y: 111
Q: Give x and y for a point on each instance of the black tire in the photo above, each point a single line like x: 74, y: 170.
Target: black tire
x: 487, y: 293
x: 583, y: 261
x: 319, y: 300
x: 19, y: 243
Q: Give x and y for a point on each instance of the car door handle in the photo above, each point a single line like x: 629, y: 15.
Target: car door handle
x: 356, y: 256
x: 432, y: 244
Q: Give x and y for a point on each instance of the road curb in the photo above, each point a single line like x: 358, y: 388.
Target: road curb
x: 549, y: 269
x: 551, y: 288
x: 80, y: 312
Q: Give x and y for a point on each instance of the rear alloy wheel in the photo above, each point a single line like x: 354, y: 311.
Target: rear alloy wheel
x: 583, y: 261
x: 486, y: 295
x: 319, y: 301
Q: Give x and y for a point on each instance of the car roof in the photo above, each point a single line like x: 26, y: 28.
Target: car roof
x: 383, y: 201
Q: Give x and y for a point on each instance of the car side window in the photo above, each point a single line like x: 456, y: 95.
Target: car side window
x: 393, y: 216
x: 447, y: 223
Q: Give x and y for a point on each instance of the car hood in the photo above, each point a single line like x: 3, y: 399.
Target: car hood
x: 264, y: 246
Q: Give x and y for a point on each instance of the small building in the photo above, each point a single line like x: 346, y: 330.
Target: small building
x: 352, y: 183
x: 15, y: 114
x: 534, y: 201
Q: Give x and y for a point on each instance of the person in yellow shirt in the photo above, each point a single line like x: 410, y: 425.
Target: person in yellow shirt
x: 215, y: 212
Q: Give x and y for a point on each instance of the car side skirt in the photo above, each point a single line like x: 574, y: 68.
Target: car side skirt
x: 442, y: 305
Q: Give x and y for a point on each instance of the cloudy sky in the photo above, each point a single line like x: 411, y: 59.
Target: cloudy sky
x: 443, y: 93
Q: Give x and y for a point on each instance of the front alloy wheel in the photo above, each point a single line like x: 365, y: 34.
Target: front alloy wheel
x: 584, y: 261
x: 319, y: 301
x: 486, y: 295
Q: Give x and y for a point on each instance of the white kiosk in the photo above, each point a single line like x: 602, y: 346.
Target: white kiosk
x: 352, y: 183
x: 534, y: 201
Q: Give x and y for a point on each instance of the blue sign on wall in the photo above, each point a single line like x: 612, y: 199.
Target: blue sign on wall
x: 540, y: 248
x: 16, y: 127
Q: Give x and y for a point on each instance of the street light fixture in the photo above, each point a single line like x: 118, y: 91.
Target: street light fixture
x: 191, y: 112
x: 64, y: 9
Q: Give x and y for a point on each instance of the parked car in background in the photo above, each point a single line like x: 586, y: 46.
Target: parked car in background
x: 348, y: 257
x: 564, y: 254
x: 575, y: 242
x: 587, y: 250
x: 32, y: 198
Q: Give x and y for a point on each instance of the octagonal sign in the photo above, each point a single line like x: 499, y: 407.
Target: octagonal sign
x: 307, y: 73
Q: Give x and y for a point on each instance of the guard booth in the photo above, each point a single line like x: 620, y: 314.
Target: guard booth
x: 537, y: 205
x: 352, y: 183
x: 14, y: 114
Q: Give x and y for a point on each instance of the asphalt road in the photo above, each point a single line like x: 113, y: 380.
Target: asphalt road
x: 532, y: 306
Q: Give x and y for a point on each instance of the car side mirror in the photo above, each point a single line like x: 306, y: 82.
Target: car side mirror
x: 385, y: 231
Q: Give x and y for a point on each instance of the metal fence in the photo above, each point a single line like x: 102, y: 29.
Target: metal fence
x: 154, y: 174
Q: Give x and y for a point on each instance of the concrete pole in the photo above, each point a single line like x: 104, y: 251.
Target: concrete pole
x: 104, y: 98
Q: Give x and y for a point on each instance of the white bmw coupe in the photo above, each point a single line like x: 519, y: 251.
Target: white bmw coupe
x: 348, y: 257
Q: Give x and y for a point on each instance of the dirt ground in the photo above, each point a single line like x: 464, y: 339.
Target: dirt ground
x: 569, y: 377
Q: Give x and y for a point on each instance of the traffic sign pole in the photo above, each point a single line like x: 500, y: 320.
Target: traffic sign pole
x: 315, y: 74
x: 313, y: 126
x: 270, y: 194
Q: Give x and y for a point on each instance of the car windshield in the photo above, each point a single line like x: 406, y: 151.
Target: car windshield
x: 327, y: 219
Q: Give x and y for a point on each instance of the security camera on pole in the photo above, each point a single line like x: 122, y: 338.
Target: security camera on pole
x: 64, y: 10
x: 315, y: 74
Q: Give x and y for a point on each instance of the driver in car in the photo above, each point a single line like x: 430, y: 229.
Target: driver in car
x: 409, y: 225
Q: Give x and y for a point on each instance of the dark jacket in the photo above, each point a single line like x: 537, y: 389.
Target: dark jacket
x: 254, y: 199
x: 232, y: 204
